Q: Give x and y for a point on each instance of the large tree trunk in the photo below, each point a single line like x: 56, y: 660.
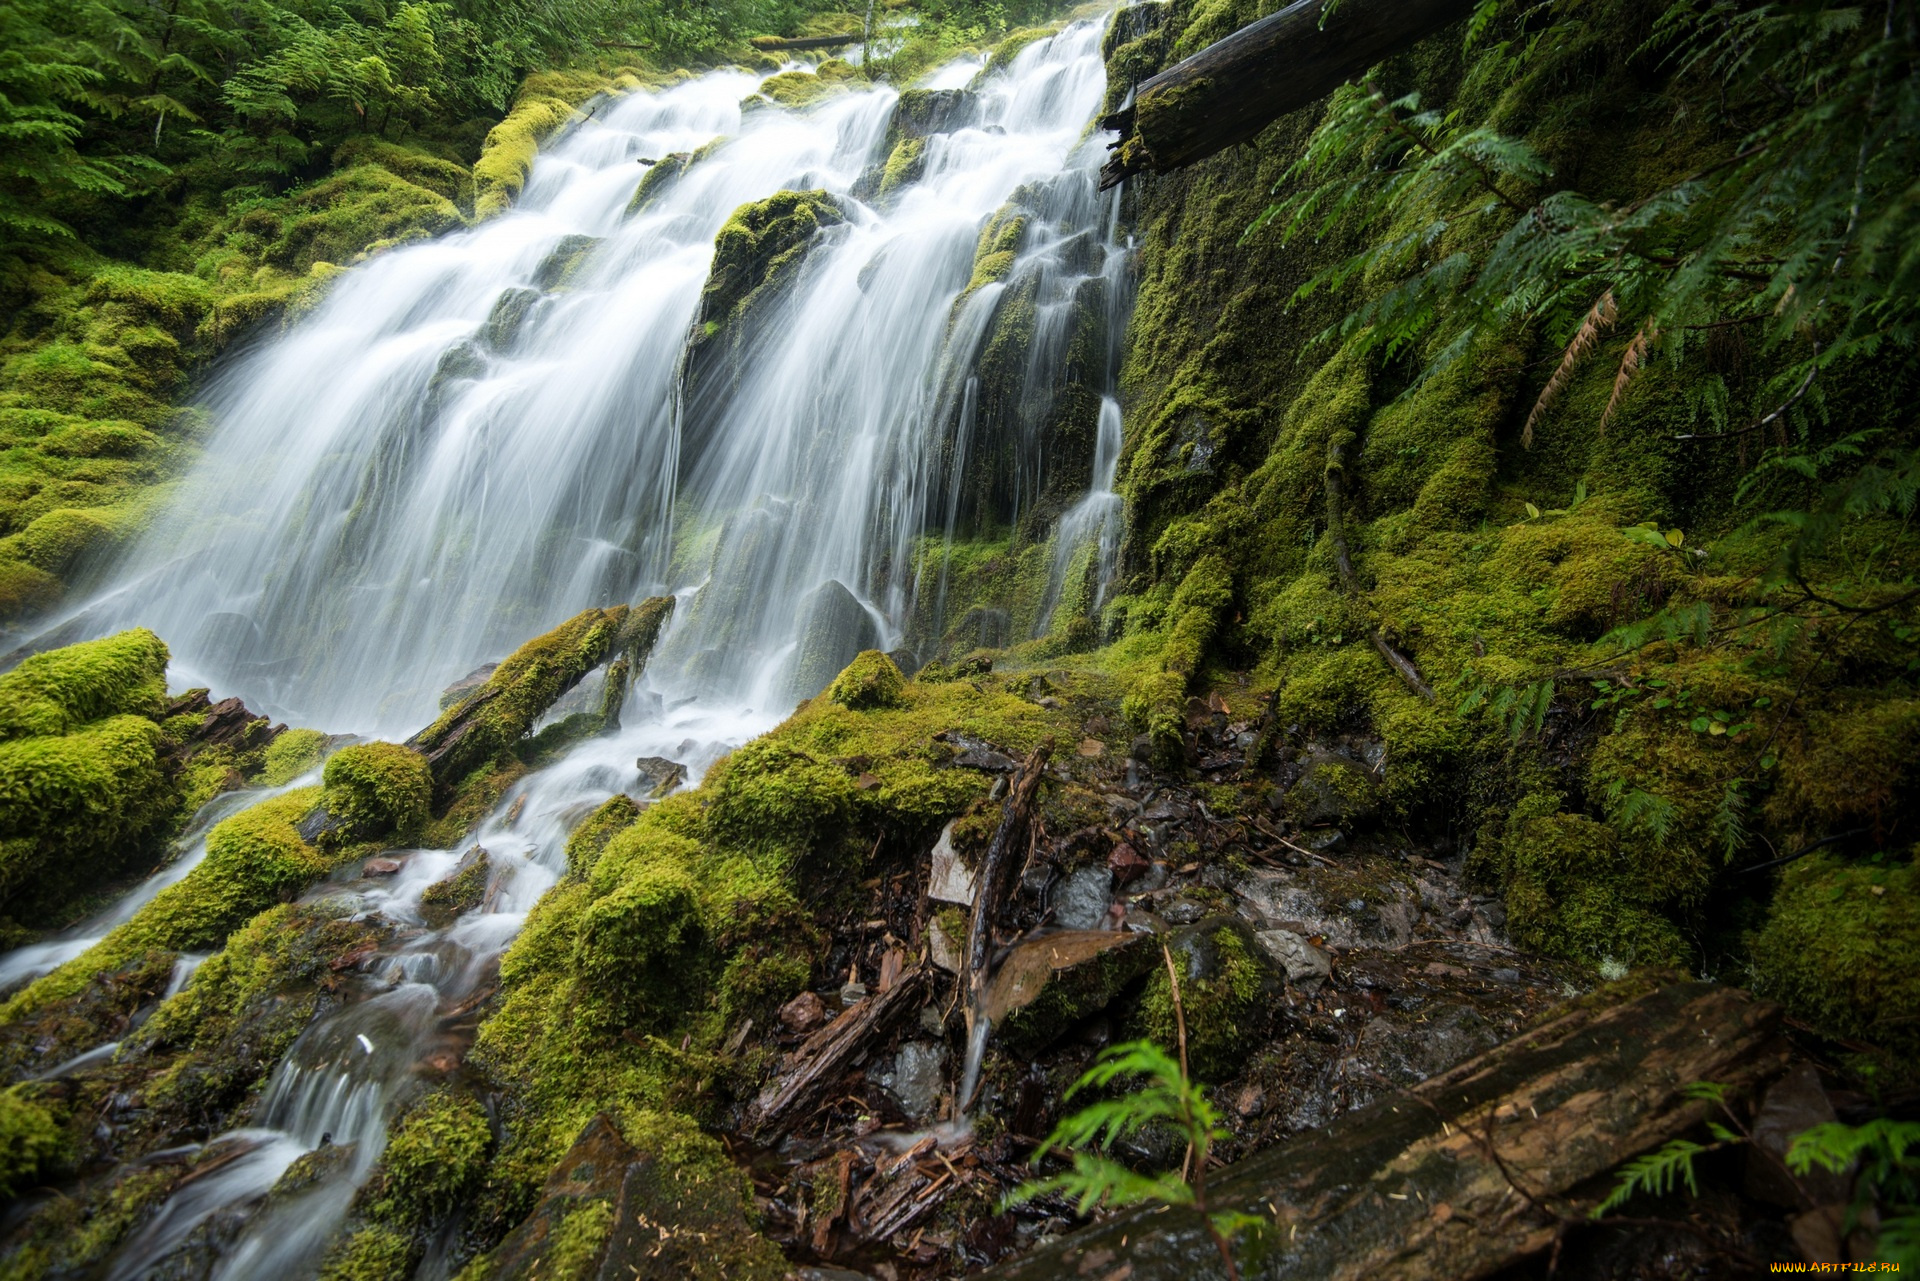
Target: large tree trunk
x: 1234, y: 88
x: 1440, y: 1181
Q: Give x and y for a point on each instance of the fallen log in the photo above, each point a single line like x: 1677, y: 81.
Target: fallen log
x: 1453, y: 1177
x: 824, y: 1057
x: 1235, y: 87
x: 773, y: 44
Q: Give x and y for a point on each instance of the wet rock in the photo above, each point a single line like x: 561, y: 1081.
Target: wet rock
x: 835, y: 627
x: 611, y: 1209
x: 1127, y: 864
x: 1795, y: 1103
x: 460, y: 891
x: 948, y: 878
x: 381, y: 867
x: 906, y: 660
x: 504, y: 322
x: 803, y: 1013
x: 660, y: 775
x: 1047, y: 984
x: 1307, y: 966
x: 1249, y: 1101
x: 921, y: 113
x: 1082, y: 900
x: 916, y: 1076
x: 943, y: 951
x: 1333, y: 788
x: 466, y: 685
x: 560, y: 264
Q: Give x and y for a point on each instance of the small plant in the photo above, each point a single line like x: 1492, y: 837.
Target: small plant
x: 1168, y: 1095
x: 1888, y: 1153
x: 1658, y: 1172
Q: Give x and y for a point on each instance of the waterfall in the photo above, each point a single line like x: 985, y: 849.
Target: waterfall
x: 474, y: 437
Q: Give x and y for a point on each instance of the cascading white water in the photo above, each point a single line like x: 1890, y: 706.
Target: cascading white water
x: 398, y: 490
x: 401, y: 488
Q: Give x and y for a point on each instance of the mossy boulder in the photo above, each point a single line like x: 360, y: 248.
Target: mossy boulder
x: 758, y: 252
x: 870, y: 680
x: 292, y: 754
x: 376, y: 789
x: 1229, y: 992
x: 30, y: 1138
x: 795, y: 90
x: 1838, y: 948
x: 56, y: 691
x: 434, y: 1159
x: 461, y: 891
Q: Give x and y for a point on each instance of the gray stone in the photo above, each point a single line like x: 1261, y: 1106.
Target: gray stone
x: 835, y: 627
x: 1307, y: 966
x: 916, y: 1077
x: 949, y: 880
x: 1082, y: 900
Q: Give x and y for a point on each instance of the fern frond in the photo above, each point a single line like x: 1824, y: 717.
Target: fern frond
x: 1655, y: 1173
x: 1630, y: 363
x: 1599, y: 319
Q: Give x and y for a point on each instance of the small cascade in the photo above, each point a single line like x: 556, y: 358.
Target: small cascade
x: 1092, y: 528
x: 27, y: 963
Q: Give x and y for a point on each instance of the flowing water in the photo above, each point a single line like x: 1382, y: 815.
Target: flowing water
x: 473, y: 438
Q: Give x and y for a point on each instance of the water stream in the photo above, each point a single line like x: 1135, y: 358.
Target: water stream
x: 412, y: 481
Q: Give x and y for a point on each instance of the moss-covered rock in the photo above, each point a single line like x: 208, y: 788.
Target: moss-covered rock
x: 29, y: 1139
x: 459, y: 892
x: 376, y: 789
x: 870, y: 680
x: 800, y: 89
x: 1838, y: 948
x: 1228, y: 988
x: 62, y: 689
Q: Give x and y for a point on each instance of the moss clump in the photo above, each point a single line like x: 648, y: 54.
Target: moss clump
x: 771, y: 796
x: 433, y: 1161
x: 1574, y: 889
x: 1226, y: 992
x: 30, y: 1138
x: 589, y: 840
x: 1838, y: 948
x: 870, y: 680
x: 545, y: 104
x: 797, y: 89
x: 77, y: 810
x: 292, y: 754
x: 54, y: 692
x: 638, y: 949
x: 372, y: 1254
x: 373, y: 789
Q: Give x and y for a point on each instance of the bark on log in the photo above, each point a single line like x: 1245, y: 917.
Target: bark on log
x: 820, y: 1061
x: 1234, y: 88
x: 774, y: 44
x: 1410, y: 1187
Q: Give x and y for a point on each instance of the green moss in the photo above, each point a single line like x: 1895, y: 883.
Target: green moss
x: 1226, y: 993
x: 372, y: 1254
x: 795, y: 90
x: 1574, y: 889
x: 639, y: 948
x: 1838, y: 947
x: 30, y: 1138
x: 870, y: 680
x: 373, y: 789
x: 461, y: 892
x: 292, y: 754
x: 78, y: 810
x: 54, y: 692
x: 590, y: 839
x: 760, y: 248
x: 434, y: 1159
x: 543, y: 105
x: 577, y: 1241
x: 252, y: 860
